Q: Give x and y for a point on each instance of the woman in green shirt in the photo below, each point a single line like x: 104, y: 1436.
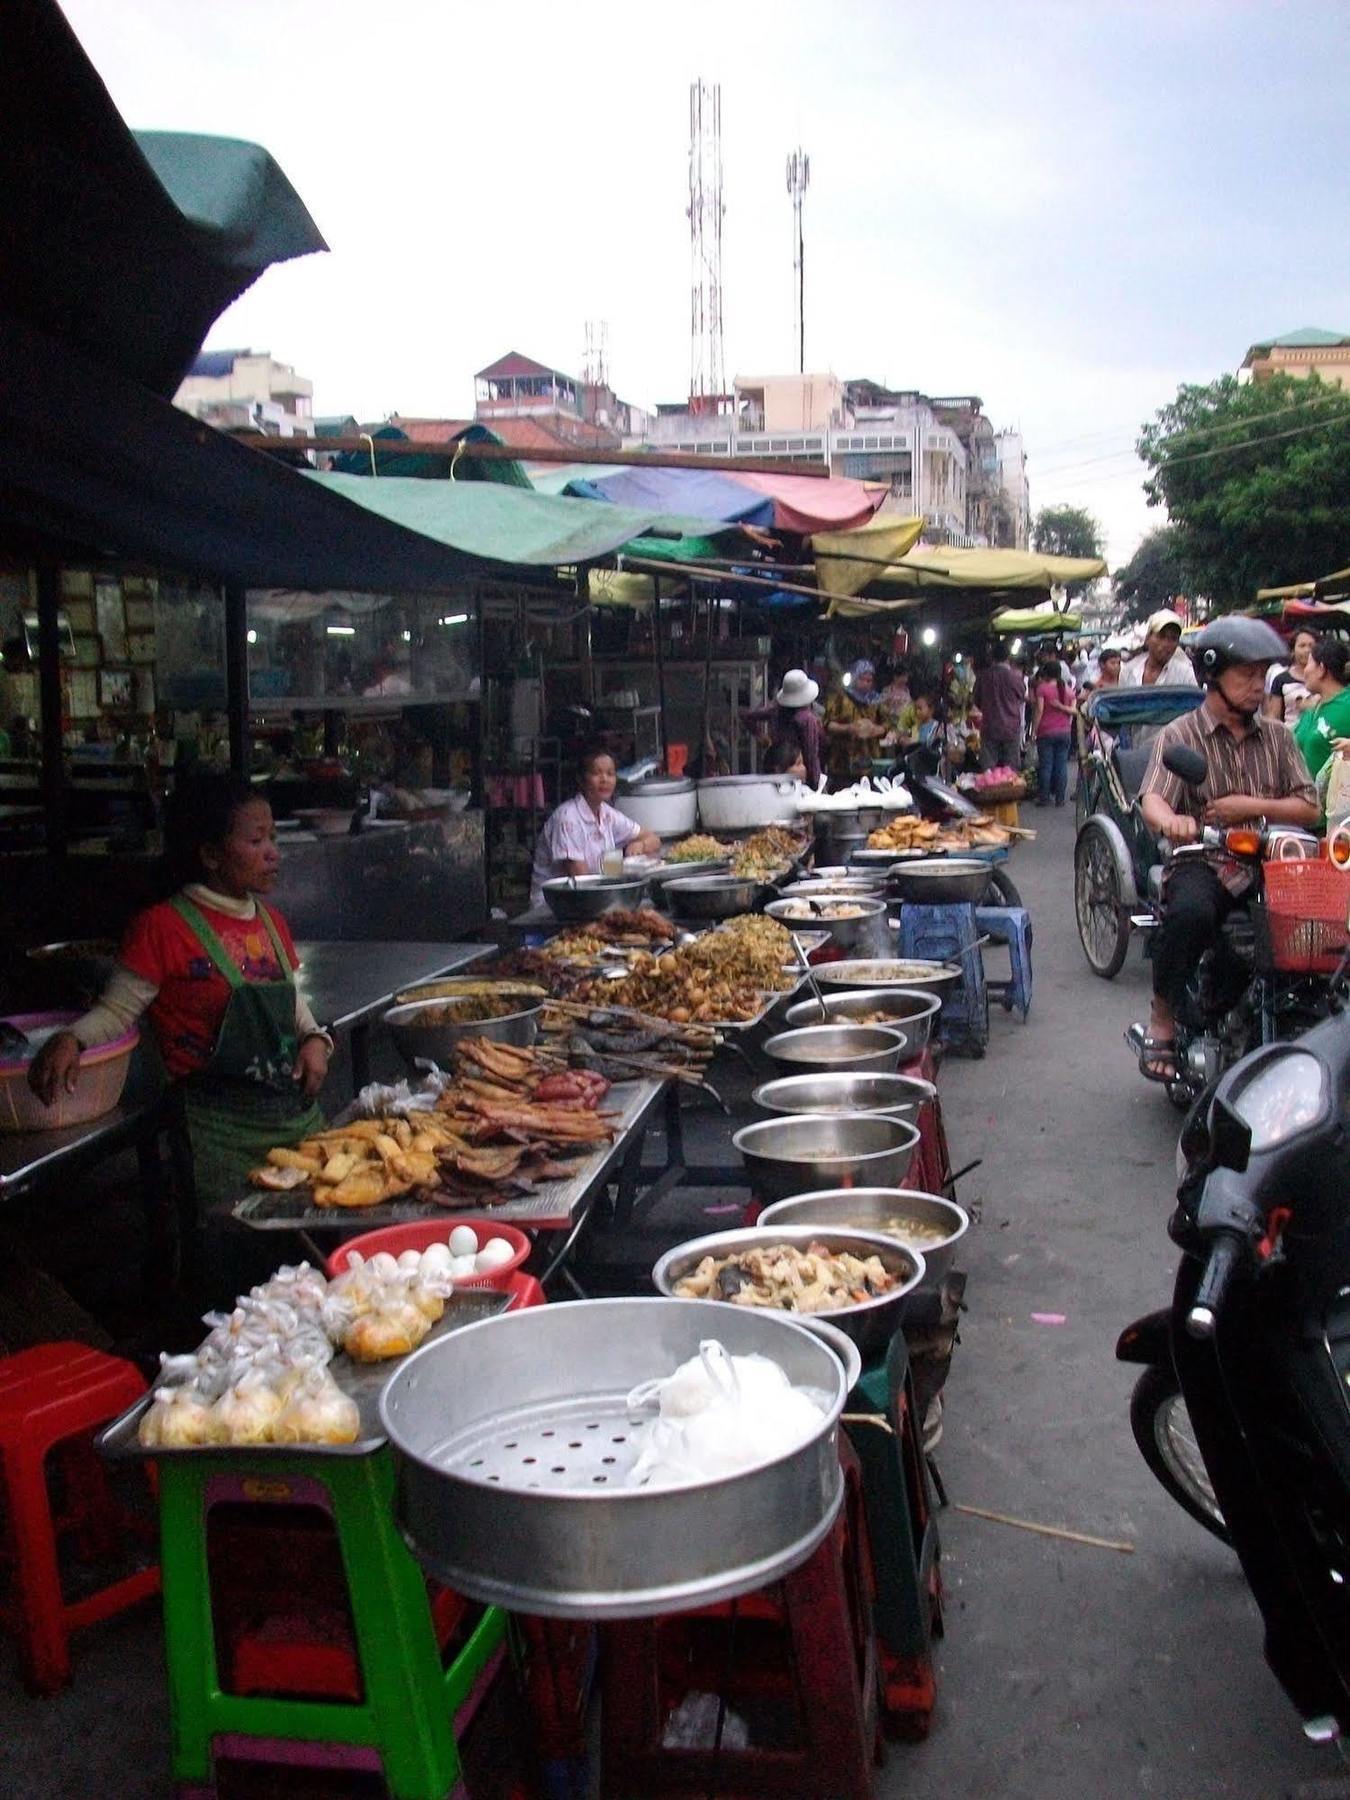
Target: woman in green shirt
x: 1317, y: 725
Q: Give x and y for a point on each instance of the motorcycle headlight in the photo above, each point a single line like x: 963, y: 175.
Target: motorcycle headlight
x: 1283, y: 1096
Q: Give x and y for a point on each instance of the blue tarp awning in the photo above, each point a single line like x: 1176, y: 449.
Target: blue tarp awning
x: 692, y: 493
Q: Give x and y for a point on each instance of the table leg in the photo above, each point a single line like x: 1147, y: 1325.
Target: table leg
x: 672, y: 1104
x: 360, y: 1053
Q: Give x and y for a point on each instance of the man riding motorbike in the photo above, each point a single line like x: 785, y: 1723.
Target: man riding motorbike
x: 1255, y: 774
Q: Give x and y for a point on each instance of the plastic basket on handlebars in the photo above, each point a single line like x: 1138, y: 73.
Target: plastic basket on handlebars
x: 1306, y: 907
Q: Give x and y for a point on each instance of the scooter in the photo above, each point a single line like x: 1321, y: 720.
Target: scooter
x: 1243, y: 1407
x: 1234, y: 1000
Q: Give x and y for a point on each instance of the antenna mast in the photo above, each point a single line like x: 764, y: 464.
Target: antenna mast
x: 707, y: 364
x: 798, y: 180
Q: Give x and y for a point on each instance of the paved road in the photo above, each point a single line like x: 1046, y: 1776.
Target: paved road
x: 1072, y: 1672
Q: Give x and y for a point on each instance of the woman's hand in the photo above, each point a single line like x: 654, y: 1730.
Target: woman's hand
x: 311, y: 1065
x: 55, y: 1068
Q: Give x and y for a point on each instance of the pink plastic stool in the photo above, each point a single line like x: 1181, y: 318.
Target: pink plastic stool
x: 48, y: 1396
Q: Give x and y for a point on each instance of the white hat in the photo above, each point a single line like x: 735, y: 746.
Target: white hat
x: 798, y: 690
x: 1160, y: 620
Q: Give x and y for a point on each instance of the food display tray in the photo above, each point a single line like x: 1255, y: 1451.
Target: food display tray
x: 550, y: 1200
x: 120, y: 1442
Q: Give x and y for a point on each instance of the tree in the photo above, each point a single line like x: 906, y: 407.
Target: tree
x: 1066, y: 531
x: 1153, y: 576
x: 1256, y: 481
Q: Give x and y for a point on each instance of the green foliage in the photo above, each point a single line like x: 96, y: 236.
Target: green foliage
x: 1255, y: 477
x: 1066, y: 531
x: 1153, y: 575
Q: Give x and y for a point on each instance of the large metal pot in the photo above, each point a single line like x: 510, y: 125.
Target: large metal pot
x: 744, y: 802
x: 576, y: 898
x: 871, y: 1323
x: 840, y: 1048
x: 665, y: 804
x: 908, y: 1010
x: 514, y: 1439
x: 808, y: 1151
x: 416, y: 1039
x: 939, y: 881
x: 843, y: 932
x: 828, y: 1091
x: 714, y: 896
x: 876, y: 1209
x: 888, y: 972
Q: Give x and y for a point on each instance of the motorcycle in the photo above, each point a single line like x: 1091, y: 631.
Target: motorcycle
x: 1242, y: 1411
x: 1234, y: 1000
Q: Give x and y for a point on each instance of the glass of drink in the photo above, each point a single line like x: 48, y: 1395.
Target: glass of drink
x: 611, y: 864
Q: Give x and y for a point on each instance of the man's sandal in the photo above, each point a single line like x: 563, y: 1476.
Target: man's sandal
x: 1158, y: 1059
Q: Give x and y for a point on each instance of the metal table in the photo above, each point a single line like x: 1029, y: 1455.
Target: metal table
x: 347, y: 984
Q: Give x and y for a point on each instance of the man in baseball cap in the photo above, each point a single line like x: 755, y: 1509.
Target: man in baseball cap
x: 1163, y: 663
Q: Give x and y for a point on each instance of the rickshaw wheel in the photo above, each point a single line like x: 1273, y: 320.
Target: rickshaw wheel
x: 1103, y: 922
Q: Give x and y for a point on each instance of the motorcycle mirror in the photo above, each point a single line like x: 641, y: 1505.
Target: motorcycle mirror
x: 1230, y: 1138
x: 1186, y: 764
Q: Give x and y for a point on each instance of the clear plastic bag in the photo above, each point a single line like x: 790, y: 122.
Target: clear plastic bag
x: 316, y: 1411
x: 719, y: 1414
x: 178, y: 1418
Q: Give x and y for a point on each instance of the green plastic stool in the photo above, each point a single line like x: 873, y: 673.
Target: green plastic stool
x: 407, y: 1715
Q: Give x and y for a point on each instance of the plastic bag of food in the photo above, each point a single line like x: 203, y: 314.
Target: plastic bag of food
x: 733, y: 1418
x: 391, y: 1329
x: 708, y: 1377
x: 316, y: 1411
x: 178, y: 1418
x: 244, y: 1413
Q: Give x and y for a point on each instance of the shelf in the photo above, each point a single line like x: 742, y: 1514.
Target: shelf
x: 364, y: 705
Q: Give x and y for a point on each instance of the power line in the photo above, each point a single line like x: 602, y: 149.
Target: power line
x: 1273, y: 437
x: 1202, y: 431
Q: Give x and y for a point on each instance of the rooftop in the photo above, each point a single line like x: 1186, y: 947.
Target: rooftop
x: 1307, y: 337
x: 218, y: 362
x: 513, y: 365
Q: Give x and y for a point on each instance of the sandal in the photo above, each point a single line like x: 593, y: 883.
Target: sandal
x: 1158, y: 1059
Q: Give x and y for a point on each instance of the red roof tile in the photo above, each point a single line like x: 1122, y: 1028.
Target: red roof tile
x: 512, y: 364
x: 533, y: 434
x: 430, y: 431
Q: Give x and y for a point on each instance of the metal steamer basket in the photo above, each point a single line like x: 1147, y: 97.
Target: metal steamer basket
x: 514, y: 1440
x: 871, y: 1324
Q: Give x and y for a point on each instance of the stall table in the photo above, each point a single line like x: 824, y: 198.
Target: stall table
x: 348, y: 984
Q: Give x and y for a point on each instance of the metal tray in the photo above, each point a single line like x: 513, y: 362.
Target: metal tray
x: 295, y: 1211
x: 363, y: 1381
x: 514, y: 1440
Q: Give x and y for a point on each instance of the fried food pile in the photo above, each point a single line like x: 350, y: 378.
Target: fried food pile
x: 644, y: 929
x: 814, y: 1280
x: 698, y: 848
x: 509, y: 1117
x: 766, y: 854
x: 910, y: 833
x: 721, y: 977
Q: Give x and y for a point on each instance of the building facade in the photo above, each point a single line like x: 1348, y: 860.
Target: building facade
x: 531, y: 406
x: 1305, y: 352
x: 248, y: 390
x: 1012, y: 529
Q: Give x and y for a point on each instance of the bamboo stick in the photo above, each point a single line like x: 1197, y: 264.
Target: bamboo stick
x: 1051, y: 1531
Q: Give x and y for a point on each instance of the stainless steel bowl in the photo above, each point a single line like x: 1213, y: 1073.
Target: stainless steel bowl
x: 808, y: 1151
x: 688, y: 871
x: 868, y: 1209
x: 939, y: 881
x: 714, y: 896
x: 514, y: 1439
x: 843, y: 932
x: 909, y: 1010
x: 574, y: 899
x: 841, y: 1049
x: 888, y: 972
x: 813, y: 887
x: 415, y: 1040
x: 871, y: 1323
x: 898, y: 1096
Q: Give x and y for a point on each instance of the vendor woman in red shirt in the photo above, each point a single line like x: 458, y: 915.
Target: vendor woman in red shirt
x: 214, y: 970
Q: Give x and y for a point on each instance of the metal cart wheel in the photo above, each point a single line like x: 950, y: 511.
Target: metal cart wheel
x: 1098, y: 903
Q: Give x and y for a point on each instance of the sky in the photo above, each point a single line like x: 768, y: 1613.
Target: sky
x: 1067, y: 207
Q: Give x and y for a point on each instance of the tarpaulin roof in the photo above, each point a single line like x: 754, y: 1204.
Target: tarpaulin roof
x: 125, y: 245
x: 980, y: 571
x: 1033, y: 620
x: 847, y: 560
x: 1337, y: 582
x: 504, y: 524
x: 696, y: 493
x: 805, y: 503
x: 431, y: 468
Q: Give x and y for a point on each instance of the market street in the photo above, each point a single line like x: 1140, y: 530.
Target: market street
x: 1066, y: 1670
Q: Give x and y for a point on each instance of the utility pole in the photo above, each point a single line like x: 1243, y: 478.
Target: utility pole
x: 798, y: 180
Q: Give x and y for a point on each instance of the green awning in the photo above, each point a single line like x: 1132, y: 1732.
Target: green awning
x: 510, y: 525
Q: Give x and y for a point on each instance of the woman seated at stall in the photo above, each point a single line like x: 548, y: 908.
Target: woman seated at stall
x: 1327, y: 720
x: 581, y: 833
x: 214, y: 971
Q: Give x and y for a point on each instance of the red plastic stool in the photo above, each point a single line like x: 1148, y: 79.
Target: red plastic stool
x: 804, y: 1649
x: 48, y: 1396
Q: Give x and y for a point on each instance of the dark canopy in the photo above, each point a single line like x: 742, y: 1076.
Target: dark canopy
x: 127, y: 246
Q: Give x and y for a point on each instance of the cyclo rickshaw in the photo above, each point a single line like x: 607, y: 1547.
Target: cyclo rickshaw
x: 1116, y: 871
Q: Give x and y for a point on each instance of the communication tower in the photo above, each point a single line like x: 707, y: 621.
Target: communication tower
x: 595, y: 362
x: 798, y: 180
x: 707, y: 362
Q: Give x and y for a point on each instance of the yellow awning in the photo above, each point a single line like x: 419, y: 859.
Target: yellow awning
x: 846, y: 561
x: 993, y: 571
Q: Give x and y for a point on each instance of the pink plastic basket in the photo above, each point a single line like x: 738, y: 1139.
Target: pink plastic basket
x: 98, y: 1086
x: 419, y: 1234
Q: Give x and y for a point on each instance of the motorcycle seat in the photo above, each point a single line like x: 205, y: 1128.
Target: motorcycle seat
x: 1131, y: 766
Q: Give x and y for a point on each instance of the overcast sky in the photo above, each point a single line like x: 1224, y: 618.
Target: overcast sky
x: 1067, y: 208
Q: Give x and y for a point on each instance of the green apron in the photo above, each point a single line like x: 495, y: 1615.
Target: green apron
x: 244, y: 1101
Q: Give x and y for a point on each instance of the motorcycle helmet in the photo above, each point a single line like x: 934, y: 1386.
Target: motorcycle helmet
x: 1226, y: 642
